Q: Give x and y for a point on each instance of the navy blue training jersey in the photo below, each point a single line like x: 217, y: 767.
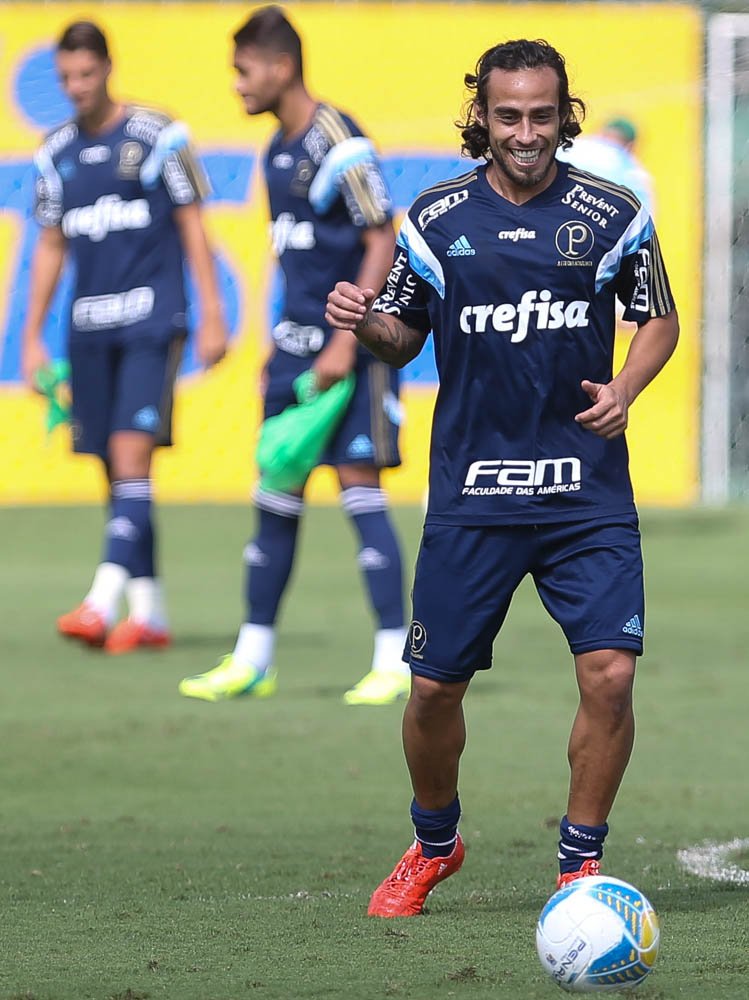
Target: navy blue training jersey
x: 113, y: 194
x: 325, y: 187
x: 520, y: 299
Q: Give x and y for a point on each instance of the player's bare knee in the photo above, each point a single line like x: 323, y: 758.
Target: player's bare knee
x: 606, y: 677
x: 430, y: 697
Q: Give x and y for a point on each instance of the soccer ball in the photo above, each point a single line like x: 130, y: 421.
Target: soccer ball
x: 598, y: 933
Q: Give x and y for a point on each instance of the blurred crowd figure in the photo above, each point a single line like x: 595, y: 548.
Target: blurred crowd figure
x: 119, y: 195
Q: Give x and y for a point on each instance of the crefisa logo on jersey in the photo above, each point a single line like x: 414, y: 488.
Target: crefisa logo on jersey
x: 536, y: 309
x: 283, y: 161
x: 108, y: 214
x: 91, y: 156
x: 440, y: 207
x: 516, y: 234
x: 574, y: 240
x: 288, y: 234
x: 523, y: 476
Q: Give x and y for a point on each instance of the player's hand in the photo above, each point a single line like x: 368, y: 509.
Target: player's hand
x: 348, y: 305
x: 609, y: 414
x: 212, y: 341
x: 335, y: 361
x: 34, y: 357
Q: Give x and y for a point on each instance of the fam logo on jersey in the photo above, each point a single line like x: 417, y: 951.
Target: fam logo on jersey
x: 537, y: 307
x: 108, y: 214
x: 316, y: 144
x: 523, y: 476
x: 440, y: 207
x: 103, y: 312
x: 130, y: 158
x: 641, y: 295
x: 595, y: 208
x: 574, y: 240
x: 516, y: 234
x: 298, y: 340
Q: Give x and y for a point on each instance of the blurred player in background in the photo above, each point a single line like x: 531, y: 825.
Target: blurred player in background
x: 610, y: 153
x: 331, y: 215
x: 119, y: 192
x: 515, y: 267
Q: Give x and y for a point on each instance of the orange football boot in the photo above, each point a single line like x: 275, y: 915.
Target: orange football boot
x: 590, y: 867
x: 404, y: 892
x: 83, y: 623
x: 128, y: 635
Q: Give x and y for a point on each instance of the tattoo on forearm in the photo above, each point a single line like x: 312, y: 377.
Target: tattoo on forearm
x: 388, y: 338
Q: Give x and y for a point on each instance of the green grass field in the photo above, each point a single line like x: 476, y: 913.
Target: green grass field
x: 156, y: 847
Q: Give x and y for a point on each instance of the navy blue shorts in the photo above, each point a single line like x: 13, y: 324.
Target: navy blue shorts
x: 122, y: 387
x: 588, y: 575
x: 368, y: 433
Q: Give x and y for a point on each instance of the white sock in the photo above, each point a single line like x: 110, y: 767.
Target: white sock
x: 106, y: 590
x: 388, y: 651
x: 255, y: 645
x: 145, y: 599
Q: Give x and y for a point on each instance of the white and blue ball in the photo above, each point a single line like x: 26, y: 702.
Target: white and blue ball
x: 596, y: 934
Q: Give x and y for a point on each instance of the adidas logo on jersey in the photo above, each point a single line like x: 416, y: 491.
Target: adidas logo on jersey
x: 461, y: 248
x: 634, y: 627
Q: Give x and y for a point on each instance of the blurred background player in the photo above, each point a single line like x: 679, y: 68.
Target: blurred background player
x: 331, y: 215
x: 118, y: 190
x: 529, y: 470
x: 610, y: 153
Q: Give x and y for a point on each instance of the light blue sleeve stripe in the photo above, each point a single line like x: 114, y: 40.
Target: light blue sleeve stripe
x: 637, y: 232
x: 340, y: 158
x: 420, y: 258
x: 170, y: 140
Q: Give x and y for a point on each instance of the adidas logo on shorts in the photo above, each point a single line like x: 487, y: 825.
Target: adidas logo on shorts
x: 634, y: 627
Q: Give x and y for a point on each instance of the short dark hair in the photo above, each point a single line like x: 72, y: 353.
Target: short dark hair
x: 510, y: 57
x: 84, y: 35
x: 269, y: 28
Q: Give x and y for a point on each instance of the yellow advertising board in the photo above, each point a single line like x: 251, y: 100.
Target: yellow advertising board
x: 398, y: 69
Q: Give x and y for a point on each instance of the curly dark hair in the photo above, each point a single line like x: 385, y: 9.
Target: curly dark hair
x: 510, y: 57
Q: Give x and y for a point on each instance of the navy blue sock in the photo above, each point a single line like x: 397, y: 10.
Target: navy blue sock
x: 270, y: 556
x: 578, y: 844
x: 379, y: 556
x: 129, y: 534
x: 436, y: 829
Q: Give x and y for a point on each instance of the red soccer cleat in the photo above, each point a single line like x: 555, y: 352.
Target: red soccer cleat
x: 84, y: 624
x: 404, y: 892
x: 128, y: 635
x: 591, y: 867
